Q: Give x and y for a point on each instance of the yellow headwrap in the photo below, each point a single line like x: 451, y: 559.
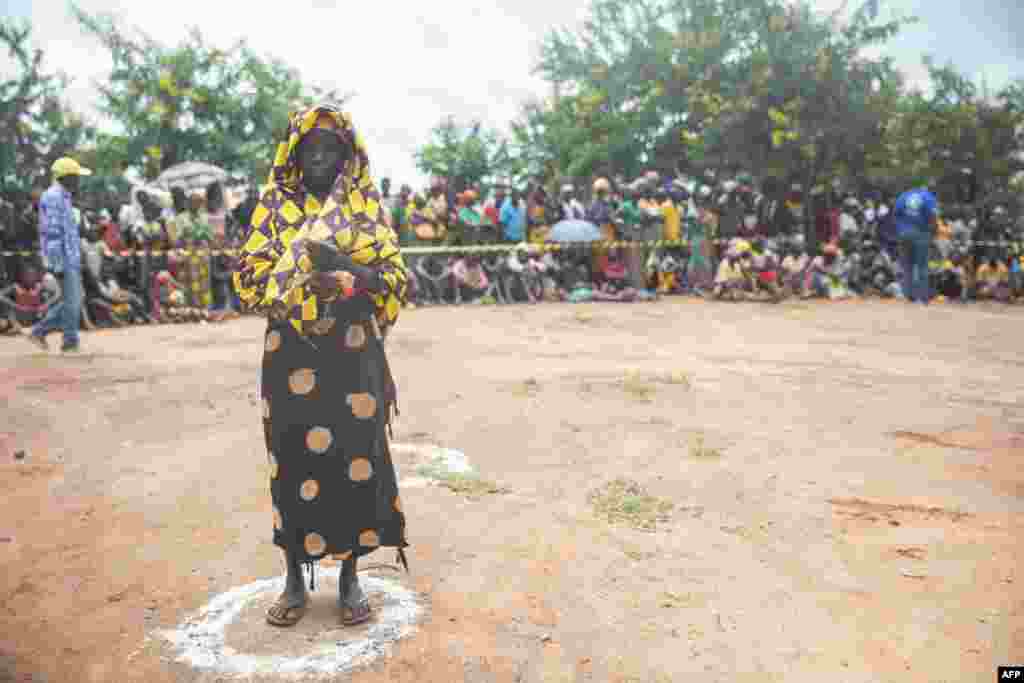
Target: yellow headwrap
x: 275, y: 267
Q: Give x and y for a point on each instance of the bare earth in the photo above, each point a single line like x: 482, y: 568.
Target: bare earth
x: 847, y: 484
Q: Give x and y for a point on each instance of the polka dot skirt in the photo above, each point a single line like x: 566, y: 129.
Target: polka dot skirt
x: 324, y: 416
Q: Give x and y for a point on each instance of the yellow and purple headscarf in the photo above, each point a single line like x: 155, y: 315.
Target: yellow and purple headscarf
x: 275, y: 270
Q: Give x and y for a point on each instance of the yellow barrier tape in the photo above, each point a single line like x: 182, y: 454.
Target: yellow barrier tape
x: 497, y: 248
x: 548, y: 246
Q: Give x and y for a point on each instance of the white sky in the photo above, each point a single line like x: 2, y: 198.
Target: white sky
x: 411, y: 63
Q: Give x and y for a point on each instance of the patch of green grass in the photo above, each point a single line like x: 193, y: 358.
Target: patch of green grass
x: 624, y: 501
x: 527, y: 387
x: 649, y: 630
x: 638, y: 387
x: 679, y: 377
x: 626, y: 670
x: 676, y: 600
x: 470, y: 486
x: 700, y: 449
x: 467, y: 484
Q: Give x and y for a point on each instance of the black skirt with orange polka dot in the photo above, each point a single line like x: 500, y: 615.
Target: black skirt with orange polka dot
x: 327, y: 398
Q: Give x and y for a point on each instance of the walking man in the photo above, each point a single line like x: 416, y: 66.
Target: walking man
x: 61, y: 248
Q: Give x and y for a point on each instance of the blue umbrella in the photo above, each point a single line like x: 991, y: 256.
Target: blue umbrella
x: 575, y: 231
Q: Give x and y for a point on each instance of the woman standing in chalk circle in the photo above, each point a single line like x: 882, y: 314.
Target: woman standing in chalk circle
x: 325, y: 268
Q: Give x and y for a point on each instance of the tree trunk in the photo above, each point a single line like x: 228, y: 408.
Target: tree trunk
x: 810, y: 234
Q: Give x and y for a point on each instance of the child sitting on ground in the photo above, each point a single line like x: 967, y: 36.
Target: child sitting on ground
x: 124, y: 304
x: 731, y: 281
x: 552, y: 278
x: 671, y: 272
x: 885, y: 275
x: 825, y: 275
x: 993, y: 280
x: 26, y: 300
x: 765, y: 269
x: 470, y: 278
x: 615, y: 285
x: 1016, y: 278
x: 170, y: 300
x: 793, y: 268
x: 949, y: 280
x: 579, y: 285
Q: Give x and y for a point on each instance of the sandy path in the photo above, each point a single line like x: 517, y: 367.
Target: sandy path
x: 858, y: 514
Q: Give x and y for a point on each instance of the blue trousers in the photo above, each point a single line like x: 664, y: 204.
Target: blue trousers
x: 914, y: 259
x: 67, y: 313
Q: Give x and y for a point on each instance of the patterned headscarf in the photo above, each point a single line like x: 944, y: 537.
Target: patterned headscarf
x: 275, y: 269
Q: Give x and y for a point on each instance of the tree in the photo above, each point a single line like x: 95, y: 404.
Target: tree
x: 760, y: 84
x: 465, y: 154
x: 36, y: 127
x: 955, y: 127
x: 194, y: 101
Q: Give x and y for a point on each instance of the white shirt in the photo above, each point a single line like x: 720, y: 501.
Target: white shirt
x: 51, y: 285
x: 574, y: 210
x: 847, y: 224
x: 512, y: 262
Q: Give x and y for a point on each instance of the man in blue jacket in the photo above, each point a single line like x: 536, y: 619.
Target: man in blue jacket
x: 513, y: 218
x: 915, y: 219
x: 60, y: 244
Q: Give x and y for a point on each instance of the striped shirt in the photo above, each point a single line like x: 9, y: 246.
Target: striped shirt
x: 59, y: 239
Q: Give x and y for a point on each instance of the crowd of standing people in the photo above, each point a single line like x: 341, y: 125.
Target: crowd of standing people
x: 726, y: 238
x: 83, y: 269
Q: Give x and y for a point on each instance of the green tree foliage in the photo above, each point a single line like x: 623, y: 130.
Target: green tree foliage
x: 466, y: 154
x: 194, y: 101
x: 761, y: 84
x: 36, y: 127
x: 956, y: 126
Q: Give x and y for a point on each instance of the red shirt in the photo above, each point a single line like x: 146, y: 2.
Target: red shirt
x: 112, y: 236
x: 28, y: 299
x: 827, y: 225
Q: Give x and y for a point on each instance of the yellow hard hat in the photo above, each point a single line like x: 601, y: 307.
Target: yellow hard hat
x: 67, y: 166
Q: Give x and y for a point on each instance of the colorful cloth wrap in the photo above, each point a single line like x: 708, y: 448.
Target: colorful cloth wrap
x: 275, y: 269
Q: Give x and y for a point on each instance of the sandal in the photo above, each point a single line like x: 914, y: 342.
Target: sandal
x: 360, y: 613
x: 353, y: 614
x: 281, y: 614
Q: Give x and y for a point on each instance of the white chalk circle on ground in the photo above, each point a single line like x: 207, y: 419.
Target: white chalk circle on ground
x: 202, y: 640
x: 208, y: 640
x: 431, y: 463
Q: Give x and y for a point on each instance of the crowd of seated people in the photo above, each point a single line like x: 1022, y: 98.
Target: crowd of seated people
x: 719, y: 239
x: 153, y: 265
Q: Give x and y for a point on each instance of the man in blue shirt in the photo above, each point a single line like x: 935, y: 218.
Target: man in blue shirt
x: 914, y: 219
x: 60, y: 244
x: 513, y: 218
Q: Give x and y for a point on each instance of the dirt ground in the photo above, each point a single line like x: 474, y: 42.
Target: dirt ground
x: 846, y: 483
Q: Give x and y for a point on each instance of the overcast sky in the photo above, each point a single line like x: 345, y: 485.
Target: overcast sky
x: 411, y: 63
